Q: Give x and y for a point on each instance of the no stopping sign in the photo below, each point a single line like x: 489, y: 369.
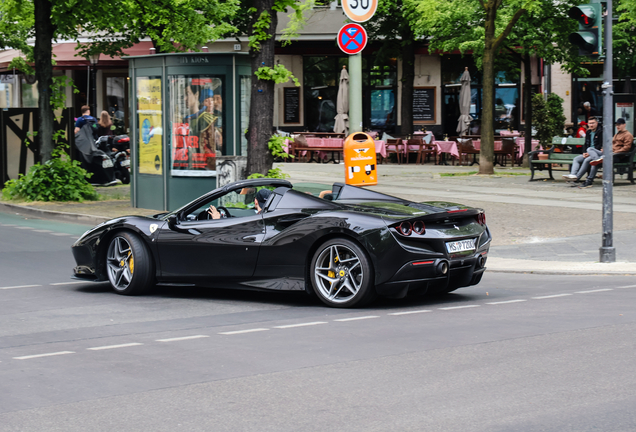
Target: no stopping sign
x: 352, y: 38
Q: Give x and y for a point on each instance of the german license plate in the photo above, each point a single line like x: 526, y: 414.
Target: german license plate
x: 107, y: 163
x: 460, y: 246
x: 125, y: 163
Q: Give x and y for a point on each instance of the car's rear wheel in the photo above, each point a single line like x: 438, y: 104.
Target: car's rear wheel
x: 342, y: 275
x: 129, y: 264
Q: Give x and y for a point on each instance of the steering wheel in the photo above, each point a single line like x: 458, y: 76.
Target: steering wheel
x: 205, y: 215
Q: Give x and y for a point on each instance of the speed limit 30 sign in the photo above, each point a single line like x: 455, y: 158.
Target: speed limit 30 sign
x: 359, y: 10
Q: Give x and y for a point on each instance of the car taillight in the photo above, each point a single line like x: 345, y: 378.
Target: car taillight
x: 481, y: 219
x: 405, y: 228
x: 418, y: 227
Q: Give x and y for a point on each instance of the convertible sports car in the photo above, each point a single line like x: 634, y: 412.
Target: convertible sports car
x: 342, y: 243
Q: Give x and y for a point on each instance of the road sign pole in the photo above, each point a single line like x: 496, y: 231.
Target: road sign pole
x: 607, y: 251
x: 355, y: 93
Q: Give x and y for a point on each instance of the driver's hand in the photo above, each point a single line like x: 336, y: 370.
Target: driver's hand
x: 212, y: 211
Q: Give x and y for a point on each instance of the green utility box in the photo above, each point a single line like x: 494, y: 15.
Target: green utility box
x: 189, y: 112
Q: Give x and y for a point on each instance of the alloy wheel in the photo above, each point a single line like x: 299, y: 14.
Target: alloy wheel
x: 120, y: 263
x: 338, y: 273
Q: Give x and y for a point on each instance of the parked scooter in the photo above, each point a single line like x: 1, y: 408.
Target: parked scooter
x: 93, y: 159
x: 117, y: 148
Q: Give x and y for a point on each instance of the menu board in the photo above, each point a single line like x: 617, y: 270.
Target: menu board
x: 423, y: 105
x: 291, y: 105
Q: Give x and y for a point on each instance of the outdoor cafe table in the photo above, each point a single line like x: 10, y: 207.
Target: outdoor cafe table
x: 331, y: 143
x: 446, y: 147
x: 520, y: 141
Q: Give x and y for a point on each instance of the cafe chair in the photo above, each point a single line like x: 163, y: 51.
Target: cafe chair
x: 466, y: 148
x: 394, y: 145
x: 508, y: 148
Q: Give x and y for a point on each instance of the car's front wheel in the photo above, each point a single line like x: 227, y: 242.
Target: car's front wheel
x: 129, y: 264
x: 342, y: 275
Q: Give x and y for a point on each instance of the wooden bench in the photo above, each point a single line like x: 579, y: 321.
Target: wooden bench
x: 625, y: 165
x: 537, y: 164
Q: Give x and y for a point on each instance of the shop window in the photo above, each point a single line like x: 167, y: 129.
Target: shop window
x: 150, y: 146
x: 196, y: 124
x: 29, y: 94
x: 246, y: 93
x: 115, y: 101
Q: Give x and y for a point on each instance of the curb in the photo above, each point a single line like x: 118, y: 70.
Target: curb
x: 511, y: 265
x: 55, y: 215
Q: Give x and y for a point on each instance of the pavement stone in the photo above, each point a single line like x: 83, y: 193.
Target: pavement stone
x: 541, y: 227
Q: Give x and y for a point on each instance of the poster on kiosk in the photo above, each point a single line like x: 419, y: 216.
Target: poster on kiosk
x: 360, y: 160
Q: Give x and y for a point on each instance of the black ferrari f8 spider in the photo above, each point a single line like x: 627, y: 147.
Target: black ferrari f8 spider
x: 342, y: 243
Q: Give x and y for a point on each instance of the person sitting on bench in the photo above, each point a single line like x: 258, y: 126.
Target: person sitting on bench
x: 594, y: 145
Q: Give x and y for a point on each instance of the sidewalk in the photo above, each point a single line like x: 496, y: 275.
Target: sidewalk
x: 539, y: 227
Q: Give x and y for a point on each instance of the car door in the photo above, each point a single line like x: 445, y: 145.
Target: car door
x: 200, y: 250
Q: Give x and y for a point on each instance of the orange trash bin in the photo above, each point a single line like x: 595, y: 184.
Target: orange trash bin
x: 360, y: 160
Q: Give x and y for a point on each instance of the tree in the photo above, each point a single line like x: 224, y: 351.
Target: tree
x: 391, y: 27
x: 480, y: 26
x: 543, y: 33
x: 172, y: 25
x: 258, y: 19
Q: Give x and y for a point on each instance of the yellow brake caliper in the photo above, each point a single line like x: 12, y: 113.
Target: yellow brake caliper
x: 131, y: 262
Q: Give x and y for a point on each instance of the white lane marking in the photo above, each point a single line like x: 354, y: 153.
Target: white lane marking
x: 60, y: 234
x: 506, y: 302
x: 551, y: 296
x: 20, y: 286
x: 10, y: 225
x: 357, y: 318
x: 244, y: 331
x: 45, y: 231
x: 182, y: 338
x: 628, y: 286
x: 409, y: 312
x: 593, y: 291
x: 114, y: 346
x: 43, y: 355
x: 24, y: 227
x: 301, y: 324
x: 69, y: 283
x: 458, y: 307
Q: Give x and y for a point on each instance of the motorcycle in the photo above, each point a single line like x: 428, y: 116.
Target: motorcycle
x: 117, y: 148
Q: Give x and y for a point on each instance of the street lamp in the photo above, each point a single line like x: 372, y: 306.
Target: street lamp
x: 93, y: 59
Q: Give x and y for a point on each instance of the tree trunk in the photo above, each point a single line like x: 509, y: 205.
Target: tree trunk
x: 259, y: 158
x: 527, y: 102
x: 408, y: 76
x: 486, y: 152
x: 44, y: 30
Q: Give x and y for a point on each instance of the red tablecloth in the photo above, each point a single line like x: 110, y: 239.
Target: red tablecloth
x: 380, y: 146
x: 447, y: 147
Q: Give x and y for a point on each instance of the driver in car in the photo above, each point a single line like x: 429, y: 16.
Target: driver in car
x: 259, y: 201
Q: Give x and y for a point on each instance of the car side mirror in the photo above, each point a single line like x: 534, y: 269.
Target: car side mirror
x: 172, y: 221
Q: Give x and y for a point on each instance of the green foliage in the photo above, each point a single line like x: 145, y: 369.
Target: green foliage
x: 297, y: 19
x: 279, y: 74
x: 276, y: 173
x: 275, y: 145
x: 259, y: 29
x: 547, y: 118
x: 58, y: 91
x: 59, y: 179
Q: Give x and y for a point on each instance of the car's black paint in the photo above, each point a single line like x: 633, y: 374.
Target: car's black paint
x: 273, y: 250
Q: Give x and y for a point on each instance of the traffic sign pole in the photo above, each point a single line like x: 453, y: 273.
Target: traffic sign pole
x: 355, y: 93
x: 607, y: 251
x: 352, y: 38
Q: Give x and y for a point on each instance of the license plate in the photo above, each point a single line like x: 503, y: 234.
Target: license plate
x: 125, y: 163
x: 107, y: 163
x: 460, y: 246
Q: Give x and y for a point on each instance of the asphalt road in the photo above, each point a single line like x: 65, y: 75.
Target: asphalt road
x: 519, y: 352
